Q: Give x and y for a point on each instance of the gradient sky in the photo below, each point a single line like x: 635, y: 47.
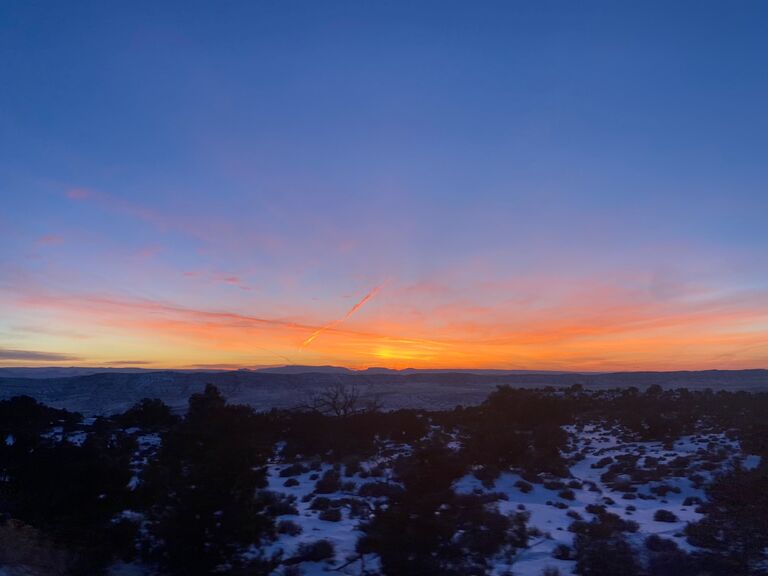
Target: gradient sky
x: 540, y: 185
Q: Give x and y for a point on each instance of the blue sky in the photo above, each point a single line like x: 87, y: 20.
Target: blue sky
x: 498, y: 170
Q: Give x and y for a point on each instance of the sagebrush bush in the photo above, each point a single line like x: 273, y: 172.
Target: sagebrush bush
x: 330, y: 515
x: 664, y: 516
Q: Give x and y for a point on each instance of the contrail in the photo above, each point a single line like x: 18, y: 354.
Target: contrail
x: 351, y: 311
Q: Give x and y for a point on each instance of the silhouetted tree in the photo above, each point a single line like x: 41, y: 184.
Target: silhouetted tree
x: 205, y: 485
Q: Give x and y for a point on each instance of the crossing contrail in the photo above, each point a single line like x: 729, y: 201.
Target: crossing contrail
x: 351, y: 311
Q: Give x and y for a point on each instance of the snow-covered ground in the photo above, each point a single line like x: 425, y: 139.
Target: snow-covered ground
x: 653, y: 477
x: 633, y: 480
x: 343, y: 533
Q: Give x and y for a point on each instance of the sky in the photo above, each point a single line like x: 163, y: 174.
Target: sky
x: 516, y: 185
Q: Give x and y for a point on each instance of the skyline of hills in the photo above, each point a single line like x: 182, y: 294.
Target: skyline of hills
x: 105, y: 392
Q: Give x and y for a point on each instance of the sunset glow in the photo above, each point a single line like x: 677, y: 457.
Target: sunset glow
x: 383, y: 187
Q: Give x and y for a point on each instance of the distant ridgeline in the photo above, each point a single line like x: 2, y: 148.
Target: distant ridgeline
x: 104, y: 391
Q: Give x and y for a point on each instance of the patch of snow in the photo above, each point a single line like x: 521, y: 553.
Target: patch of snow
x: 77, y: 438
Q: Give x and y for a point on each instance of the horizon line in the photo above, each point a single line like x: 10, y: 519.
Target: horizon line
x: 214, y: 368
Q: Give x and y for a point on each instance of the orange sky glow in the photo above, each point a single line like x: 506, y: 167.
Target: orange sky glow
x: 506, y: 186
x: 599, y: 329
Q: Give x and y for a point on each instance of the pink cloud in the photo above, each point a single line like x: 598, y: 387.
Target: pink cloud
x: 218, y: 278
x: 49, y: 240
x: 234, y: 281
x: 118, y: 205
x: 215, y: 235
x: 148, y: 252
x: 569, y: 324
x: 79, y: 194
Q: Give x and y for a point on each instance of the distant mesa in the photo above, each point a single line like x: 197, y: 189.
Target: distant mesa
x: 299, y: 369
x: 95, y: 391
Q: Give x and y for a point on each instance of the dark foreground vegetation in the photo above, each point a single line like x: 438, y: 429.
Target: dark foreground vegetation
x: 188, y: 494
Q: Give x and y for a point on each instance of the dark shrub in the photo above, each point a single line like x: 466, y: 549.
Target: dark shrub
x: 562, y: 552
x: 601, y: 548
x: 351, y: 467
x: 595, y: 509
x: 202, y: 485
x: 523, y: 486
x: 330, y: 515
x: 664, y: 516
x: 678, y: 563
x: 664, y: 489
x: 276, y: 503
x: 379, y: 490
x: 330, y: 482
x: 288, y: 527
x: 603, y: 462
x: 321, y: 503
x: 293, y: 470
x: 656, y: 543
x: 147, y: 414
x: 487, y: 475
x: 316, y: 551
x: 429, y: 529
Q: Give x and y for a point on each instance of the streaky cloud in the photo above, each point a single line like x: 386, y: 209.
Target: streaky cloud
x: 35, y: 356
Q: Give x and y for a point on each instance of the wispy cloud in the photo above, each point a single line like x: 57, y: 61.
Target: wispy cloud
x: 106, y: 306
x: 79, y: 194
x: 218, y: 278
x: 232, y: 280
x: 148, y: 252
x: 118, y: 205
x: 36, y: 356
x: 49, y: 240
x: 586, y: 326
x: 49, y: 331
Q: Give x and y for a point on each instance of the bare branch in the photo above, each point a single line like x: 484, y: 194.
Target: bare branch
x: 341, y: 399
